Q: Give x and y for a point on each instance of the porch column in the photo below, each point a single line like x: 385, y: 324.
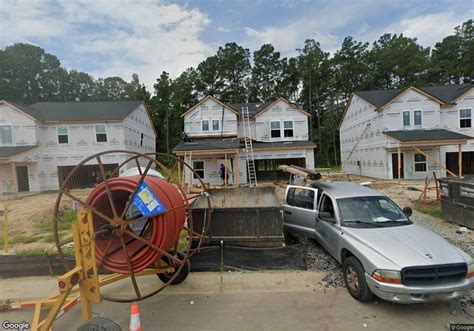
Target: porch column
x: 460, y: 160
x: 226, y: 169
x: 15, y: 178
x: 236, y: 171
x: 399, y: 164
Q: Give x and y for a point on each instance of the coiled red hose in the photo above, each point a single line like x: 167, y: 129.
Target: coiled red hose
x: 162, y: 231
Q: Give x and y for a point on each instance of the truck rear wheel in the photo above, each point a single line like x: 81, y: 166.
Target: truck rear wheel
x: 354, y: 278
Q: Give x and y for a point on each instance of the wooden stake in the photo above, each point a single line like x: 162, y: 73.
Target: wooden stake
x: 460, y: 160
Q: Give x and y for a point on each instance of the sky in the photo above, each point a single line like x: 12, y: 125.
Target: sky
x: 119, y: 38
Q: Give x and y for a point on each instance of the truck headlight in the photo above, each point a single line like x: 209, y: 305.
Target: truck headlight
x: 470, y: 270
x: 387, y: 276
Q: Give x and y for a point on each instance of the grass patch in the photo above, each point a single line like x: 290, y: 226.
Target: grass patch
x: 35, y: 251
x: 432, y: 209
x: 64, y: 222
x: 23, y: 239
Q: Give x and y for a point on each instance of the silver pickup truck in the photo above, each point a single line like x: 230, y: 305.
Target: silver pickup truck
x: 381, y: 251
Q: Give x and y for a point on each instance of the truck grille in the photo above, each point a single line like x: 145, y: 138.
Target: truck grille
x: 434, y: 274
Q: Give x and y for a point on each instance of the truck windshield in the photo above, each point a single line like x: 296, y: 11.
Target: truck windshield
x: 370, y: 212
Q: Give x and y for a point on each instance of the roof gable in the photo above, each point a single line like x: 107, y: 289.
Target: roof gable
x: 270, y: 104
x: 209, y: 97
x: 29, y: 112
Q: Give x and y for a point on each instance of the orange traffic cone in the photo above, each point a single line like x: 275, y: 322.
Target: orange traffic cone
x: 135, y: 323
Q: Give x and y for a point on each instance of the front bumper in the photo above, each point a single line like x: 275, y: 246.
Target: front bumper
x: 417, y: 294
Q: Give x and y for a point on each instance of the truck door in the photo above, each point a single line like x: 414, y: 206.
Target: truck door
x: 299, y: 210
x: 328, y: 229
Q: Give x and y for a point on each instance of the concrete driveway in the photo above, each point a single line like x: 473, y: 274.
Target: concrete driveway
x: 245, y: 301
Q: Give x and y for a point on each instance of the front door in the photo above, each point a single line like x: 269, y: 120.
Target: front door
x: 22, y: 178
x: 395, y: 166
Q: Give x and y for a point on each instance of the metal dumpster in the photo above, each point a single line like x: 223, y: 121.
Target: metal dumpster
x: 246, y: 216
x: 457, y: 200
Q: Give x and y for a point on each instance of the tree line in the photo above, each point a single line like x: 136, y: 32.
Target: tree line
x: 320, y: 82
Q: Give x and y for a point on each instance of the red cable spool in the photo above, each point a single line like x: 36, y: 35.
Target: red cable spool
x: 163, y: 230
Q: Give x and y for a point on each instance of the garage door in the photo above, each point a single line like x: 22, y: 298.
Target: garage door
x: 467, y: 162
x: 85, y: 176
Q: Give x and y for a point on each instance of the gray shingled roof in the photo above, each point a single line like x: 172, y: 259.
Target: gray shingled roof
x: 425, y: 135
x: 378, y: 98
x: 35, y: 113
x: 81, y: 111
x: 205, y: 144
x: 13, y: 150
x: 445, y: 93
x: 285, y: 144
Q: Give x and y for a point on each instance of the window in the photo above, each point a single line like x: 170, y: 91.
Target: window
x: 141, y: 139
x: 215, y: 125
x: 465, y: 118
x: 5, y: 134
x: 63, y: 137
x: 406, y: 118
x: 417, y: 115
x: 100, y: 133
x: 205, y: 125
x: 275, y: 129
x: 327, y: 206
x: 198, y: 167
x: 300, y: 197
x: 288, y: 129
x: 420, y: 163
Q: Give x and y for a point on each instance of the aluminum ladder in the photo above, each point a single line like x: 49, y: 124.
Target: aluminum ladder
x: 357, y: 143
x: 187, y: 181
x: 252, y: 173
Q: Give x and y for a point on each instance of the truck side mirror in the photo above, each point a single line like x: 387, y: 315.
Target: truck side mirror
x: 327, y: 216
x: 407, y: 211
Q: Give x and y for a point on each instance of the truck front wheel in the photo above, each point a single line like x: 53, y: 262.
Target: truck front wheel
x: 355, y: 280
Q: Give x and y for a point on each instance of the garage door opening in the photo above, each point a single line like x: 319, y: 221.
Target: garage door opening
x: 84, y: 177
x: 467, y: 162
x: 268, y: 169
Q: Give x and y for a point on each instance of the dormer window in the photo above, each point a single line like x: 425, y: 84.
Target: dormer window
x: 275, y: 129
x: 205, y: 125
x: 5, y: 134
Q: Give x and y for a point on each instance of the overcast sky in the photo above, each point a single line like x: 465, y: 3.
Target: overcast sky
x: 118, y: 38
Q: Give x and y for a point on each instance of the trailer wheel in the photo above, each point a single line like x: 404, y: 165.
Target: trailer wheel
x: 165, y: 277
x: 99, y: 324
x: 355, y: 280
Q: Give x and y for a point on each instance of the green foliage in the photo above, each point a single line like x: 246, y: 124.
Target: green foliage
x: 23, y: 239
x: 65, y: 221
x: 35, y: 251
x: 432, y: 209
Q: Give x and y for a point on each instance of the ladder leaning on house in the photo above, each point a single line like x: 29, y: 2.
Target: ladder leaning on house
x: 357, y: 142
x: 252, y: 173
x: 187, y: 180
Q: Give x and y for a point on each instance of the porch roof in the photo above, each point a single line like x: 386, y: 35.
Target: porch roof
x: 207, y: 144
x: 13, y: 150
x: 283, y: 144
x: 435, y: 136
